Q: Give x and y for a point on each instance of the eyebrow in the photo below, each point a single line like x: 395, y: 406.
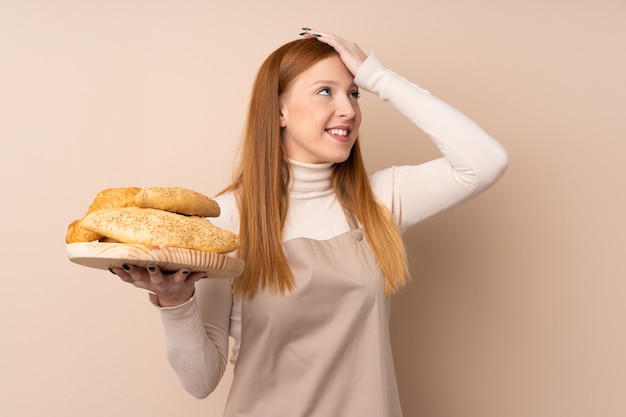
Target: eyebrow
x: 330, y: 82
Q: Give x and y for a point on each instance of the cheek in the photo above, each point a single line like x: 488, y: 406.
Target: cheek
x: 298, y: 115
x: 357, y: 118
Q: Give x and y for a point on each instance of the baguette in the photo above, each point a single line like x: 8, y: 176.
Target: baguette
x: 177, y: 200
x: 153, y: 227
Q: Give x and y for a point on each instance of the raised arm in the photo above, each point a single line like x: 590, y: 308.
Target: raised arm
x: 472, y: 160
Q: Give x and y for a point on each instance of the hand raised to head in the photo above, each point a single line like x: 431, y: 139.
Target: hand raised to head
x: 349, y: 52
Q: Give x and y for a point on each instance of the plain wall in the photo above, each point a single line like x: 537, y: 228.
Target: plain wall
x: 517, y: 305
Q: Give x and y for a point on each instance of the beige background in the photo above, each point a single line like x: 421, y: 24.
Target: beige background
x: 517, y: 304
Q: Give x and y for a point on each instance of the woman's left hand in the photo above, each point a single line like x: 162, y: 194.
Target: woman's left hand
x: 349, y: 52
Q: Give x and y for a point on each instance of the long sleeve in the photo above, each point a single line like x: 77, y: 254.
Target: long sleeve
x: 472, y: 160
x: 196, y: 336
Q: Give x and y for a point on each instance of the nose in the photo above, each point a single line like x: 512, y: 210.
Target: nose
x: 346, y: 108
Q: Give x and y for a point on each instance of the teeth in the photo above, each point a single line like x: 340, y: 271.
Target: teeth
x: 339, y: 132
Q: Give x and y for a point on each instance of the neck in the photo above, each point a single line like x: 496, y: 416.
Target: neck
x: 309, y: 180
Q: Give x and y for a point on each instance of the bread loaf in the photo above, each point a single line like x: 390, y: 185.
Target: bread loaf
x: 155, y: 227
x: 114, y: 198
x: 109, y: 198
x: 177, y: 200
x: 77, y: 233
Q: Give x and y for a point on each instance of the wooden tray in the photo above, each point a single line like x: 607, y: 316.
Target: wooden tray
x: 103, y: 255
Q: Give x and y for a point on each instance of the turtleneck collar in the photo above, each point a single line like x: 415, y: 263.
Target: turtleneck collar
x: 310, y: 180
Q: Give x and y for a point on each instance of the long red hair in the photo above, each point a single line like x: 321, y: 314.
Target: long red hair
x: 261, y: 182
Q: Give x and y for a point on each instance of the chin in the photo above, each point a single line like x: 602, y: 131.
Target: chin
x: 338, y: 159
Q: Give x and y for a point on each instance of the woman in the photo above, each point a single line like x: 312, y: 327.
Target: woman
x: 321, y: 240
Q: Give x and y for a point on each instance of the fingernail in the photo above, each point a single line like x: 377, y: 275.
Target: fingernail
x: 151, y: 268
x: 126, y: 267
x: 111, y: 271
x: 306, y: 28
x: 317, y: 35
x: 303, y: 33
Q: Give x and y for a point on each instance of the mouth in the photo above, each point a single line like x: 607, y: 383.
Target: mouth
x: 342, y: 134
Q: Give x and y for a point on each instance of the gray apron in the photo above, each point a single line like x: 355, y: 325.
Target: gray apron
x: 322, y: 350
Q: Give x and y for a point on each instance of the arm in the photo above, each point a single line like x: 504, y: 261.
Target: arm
x: 196, y: 333
x: 196, y: 336
x: 196, y: 329
x: 472, y: 160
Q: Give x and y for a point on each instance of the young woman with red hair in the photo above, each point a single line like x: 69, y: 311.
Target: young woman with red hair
x: 322, y: 239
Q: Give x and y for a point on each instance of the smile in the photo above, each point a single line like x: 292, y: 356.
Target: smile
x: 339, y: 132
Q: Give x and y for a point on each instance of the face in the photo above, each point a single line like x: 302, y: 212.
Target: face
x: 320, y: 114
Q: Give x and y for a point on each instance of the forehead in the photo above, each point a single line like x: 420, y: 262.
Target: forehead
x: 329, y: 70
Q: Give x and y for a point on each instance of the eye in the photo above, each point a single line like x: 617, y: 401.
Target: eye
x: 324, y: 91
x: 355, y: 95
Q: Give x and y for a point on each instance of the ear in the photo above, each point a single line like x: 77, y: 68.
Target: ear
x: 283, y: 115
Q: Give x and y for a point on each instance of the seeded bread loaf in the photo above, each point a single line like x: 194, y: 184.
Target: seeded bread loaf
x: 155, y: 227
